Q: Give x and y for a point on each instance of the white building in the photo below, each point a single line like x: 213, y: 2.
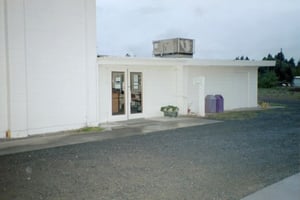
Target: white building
x: 183, y: 82
x: 51, y: 80
x: 48, y: 71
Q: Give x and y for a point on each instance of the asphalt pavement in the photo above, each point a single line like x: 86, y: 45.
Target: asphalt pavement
x: 162, y: 158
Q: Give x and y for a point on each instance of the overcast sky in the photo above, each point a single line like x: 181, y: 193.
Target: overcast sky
x: 222, y: 29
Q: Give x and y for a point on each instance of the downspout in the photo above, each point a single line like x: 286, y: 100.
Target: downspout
x: 8, y: 111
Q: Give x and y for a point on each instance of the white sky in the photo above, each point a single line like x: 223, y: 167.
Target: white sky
x: 222, y: 29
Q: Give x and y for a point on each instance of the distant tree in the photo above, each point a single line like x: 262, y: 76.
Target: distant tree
x: 285, y: 69
x: 289, y: 77
x: 296, y: 69
x: 242, y: 58
x: 269, y: 57
x: 267, y: 79
x: 280, y: 56
x: 292, y: 62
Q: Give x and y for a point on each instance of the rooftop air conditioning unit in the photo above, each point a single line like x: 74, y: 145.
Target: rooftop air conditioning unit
x: 177, y: 47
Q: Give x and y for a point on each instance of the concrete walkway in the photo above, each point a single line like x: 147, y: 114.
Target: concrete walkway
x: 111, y: 131
x: 288, y: 188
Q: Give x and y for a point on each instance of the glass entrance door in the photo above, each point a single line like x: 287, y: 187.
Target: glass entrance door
x: 136, y: 93
x: 126, y: 95
x: 118, y: 93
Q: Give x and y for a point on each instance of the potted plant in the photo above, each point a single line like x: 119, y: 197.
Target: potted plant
x: 170, y: 111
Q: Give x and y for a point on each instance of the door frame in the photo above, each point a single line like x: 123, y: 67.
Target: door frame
x: 127, y: 90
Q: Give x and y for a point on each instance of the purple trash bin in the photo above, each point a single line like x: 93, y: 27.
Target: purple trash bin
x: 219, y: 103
x: 210, y: 104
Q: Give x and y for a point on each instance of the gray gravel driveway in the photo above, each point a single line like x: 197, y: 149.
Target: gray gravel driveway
x: 226, y: 160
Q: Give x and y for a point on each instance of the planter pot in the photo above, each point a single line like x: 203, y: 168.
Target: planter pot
x: 170, y: 114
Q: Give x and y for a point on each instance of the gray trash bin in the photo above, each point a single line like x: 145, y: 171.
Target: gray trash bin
x: 210, y: 104
x: 219, y: 103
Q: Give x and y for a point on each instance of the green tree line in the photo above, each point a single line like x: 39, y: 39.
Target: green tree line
x: 282, y: 74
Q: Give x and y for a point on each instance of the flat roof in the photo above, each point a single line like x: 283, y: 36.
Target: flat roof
x: 110, y: 60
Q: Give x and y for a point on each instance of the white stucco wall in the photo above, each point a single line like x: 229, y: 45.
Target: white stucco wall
x: 3, y: 73
x: 51, y: 48
x: 238, y: 85
x: 159, y: 89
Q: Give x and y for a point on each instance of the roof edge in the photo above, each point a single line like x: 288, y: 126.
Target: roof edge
x: 182, y: 61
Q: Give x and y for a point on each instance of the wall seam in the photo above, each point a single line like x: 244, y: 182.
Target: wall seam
x: 26, y: 66
x: 8, y: 98
x: 86, y: 64
x: 96, y: 66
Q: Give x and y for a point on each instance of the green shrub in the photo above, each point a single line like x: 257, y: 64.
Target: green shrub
x: 169, y: 108
x: 267, y: 80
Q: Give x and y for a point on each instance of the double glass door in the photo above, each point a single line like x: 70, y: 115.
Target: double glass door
x: 127, y: 93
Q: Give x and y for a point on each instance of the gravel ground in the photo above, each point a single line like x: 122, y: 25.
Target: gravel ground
x: 218, y: 161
